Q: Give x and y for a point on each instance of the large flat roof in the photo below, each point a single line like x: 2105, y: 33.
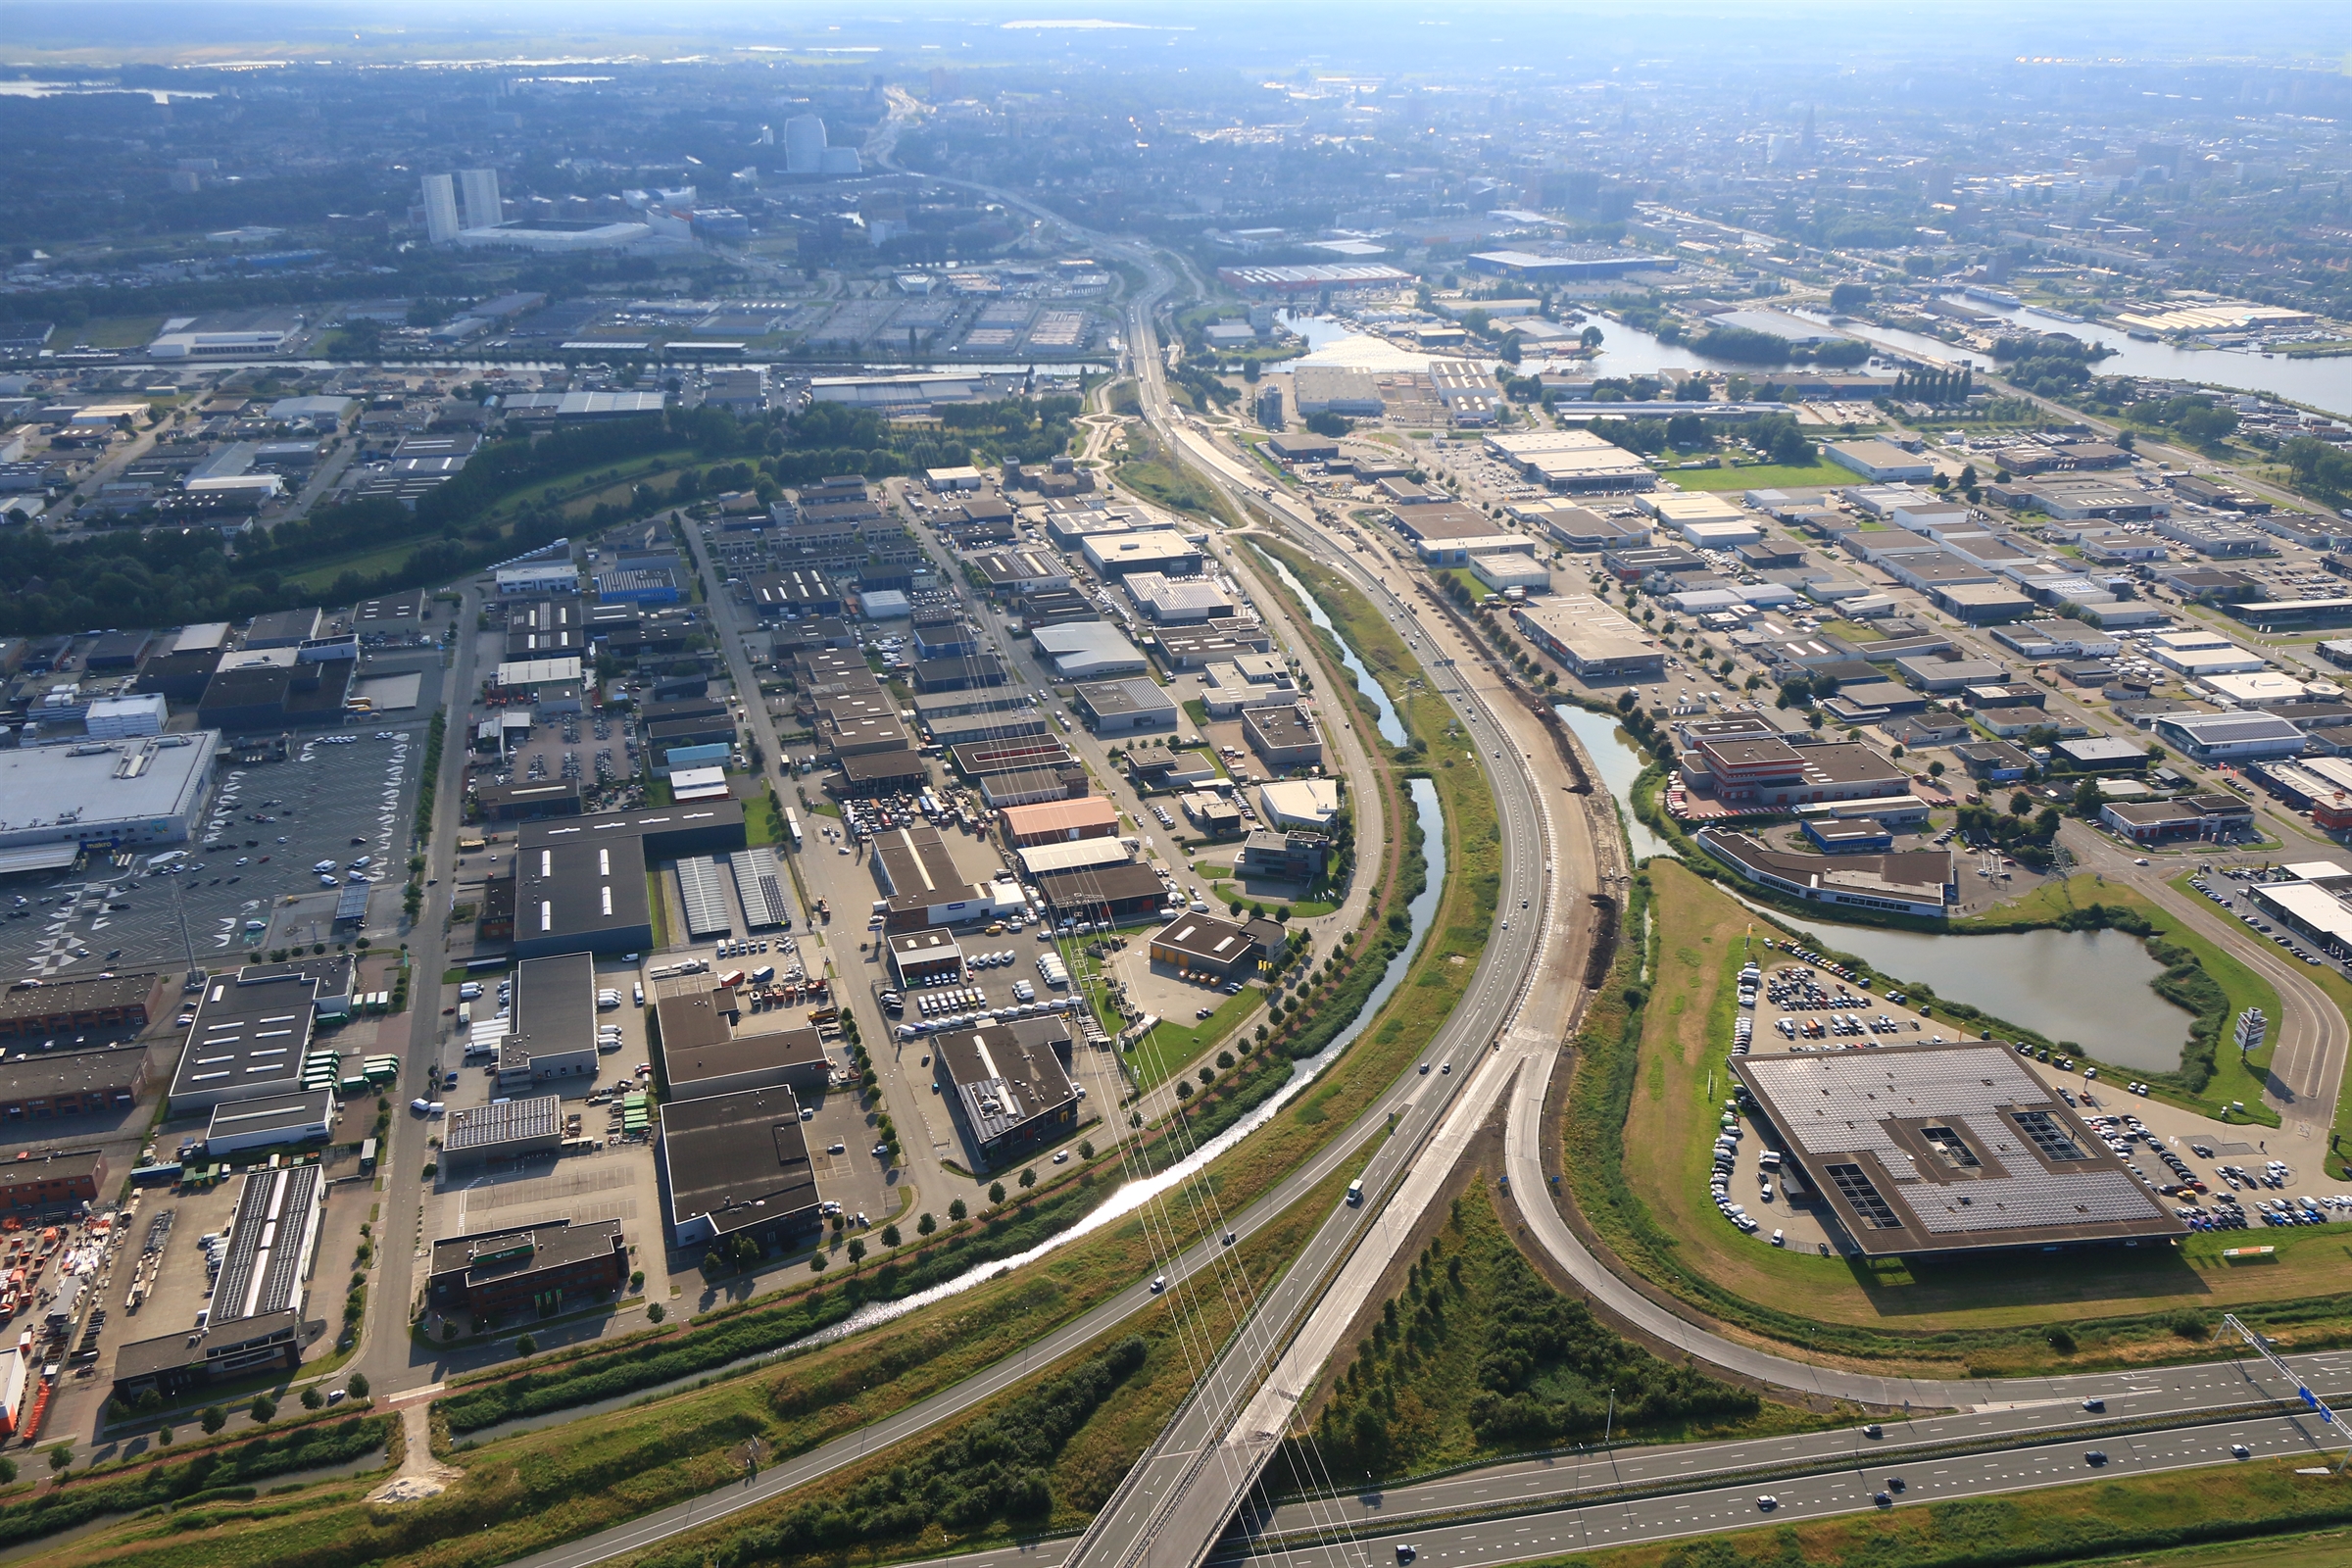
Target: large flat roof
x: 718, y: 1059
x: 89, y: 789
x: 249, y: 1036
x: 555, y: 1002
x: 1928, y: 1149
x: 742, y: 1159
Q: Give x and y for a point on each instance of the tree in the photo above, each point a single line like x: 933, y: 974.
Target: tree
x: 311, y: 1398
x: 656, y: 1312
x: 1848, y: 297
x: 925, y: 1225
x: 2088, y: 799
x: 1086, y: 1151
x: 1590, y: 337
x: 890, y: 1236
x: 526, y: 1345
x: 213, y: 1419
x: 357, y: 1385
x: 60, y: 1457
x: 1936, y: 769
x: 956, y: 1210
x: 856, y: 1250
x: 996, y: 1192
x: 2020, y: 803
x: 1028, y: 1179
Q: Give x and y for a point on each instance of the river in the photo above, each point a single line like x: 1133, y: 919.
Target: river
x: 2320, y: 383
x: 1130, y: 1196
x: 1625, y: 351
x: 1392, y: 728
x: 1620, y: 766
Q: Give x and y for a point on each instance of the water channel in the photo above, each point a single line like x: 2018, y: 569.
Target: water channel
x: 1131, y: 1196
x: 1620, y: 766
x: 1392, y: 728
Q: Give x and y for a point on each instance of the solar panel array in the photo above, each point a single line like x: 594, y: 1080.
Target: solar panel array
x: 2034, y: 1197
x: 755, y: 884
x: 705, y: 897
x: 1834, y: 1103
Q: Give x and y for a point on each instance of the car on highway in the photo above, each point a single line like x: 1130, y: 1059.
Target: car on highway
x: 1767, y: 1502
x: 2095, y: 1404
x: 2238, y: 1451
x: 2096, y: 1458
x: 1405, y: 1552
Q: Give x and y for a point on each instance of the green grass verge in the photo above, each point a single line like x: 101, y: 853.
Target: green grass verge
x: 1300, y: 909
x: 660, y: 906
x: 1764, y: 477
x: 1178, y: 1042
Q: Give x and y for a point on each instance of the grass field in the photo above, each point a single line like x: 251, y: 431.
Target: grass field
x: 111, y: 333
x: 1764, y: 477
x: 762, y: 824
x: 1985, y: 1316
x: 1302, y: 908
x: 1178, y: 1042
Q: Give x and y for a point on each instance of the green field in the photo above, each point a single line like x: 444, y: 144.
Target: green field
x: 1764, y: 477
x: 1178, y: 1042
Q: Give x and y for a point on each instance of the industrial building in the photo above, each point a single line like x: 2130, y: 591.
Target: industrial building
x: 738, y: 1165
x: 1307, y: 803
x: 2231, y: 737
x: 251, y: 1034
x: 56, y: 800
x: 1136, y: 706
x: 502, y: 1132
x: 538, y: 1270
x: 2211, y: 819
x: 1203, y: 947
x: 925, y: 957
x: 703, y: 1054
x: 1110, y: 895
x: 49, y: 1181
x: 255, y: 1320
x: 922, y: 887
x: 1946, y: 1149
x: 551, y: 1034
x: 579, y: 882
x: 1576, y: 462
x: 73, y: 1006
x: 36, y: 1086
x: 280, y: 1121
x: 1761, y: 773
x: 1008, y: 1087
x: 1284, y: 737
x: 1591, y: 639
x: 1161, y: 550
x: 1053, y: 821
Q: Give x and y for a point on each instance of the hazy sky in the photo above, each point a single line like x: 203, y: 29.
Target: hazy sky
x: 1373, y: 37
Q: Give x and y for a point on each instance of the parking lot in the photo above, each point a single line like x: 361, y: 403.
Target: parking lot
x: 268, y: 823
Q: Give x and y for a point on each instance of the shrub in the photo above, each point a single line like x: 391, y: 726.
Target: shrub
x: 2061, y: 1339
x: 656, y: 1312
x: 213, y: 1419
x: 264, y: 1408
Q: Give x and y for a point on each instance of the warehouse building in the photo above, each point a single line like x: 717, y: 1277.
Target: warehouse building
x: 1106, y: 894
x: 2233, y: 737
x: 1008, y: 1087
x: 738, y: 1165
x: 704, y: 1054
x: 1203, y: 947
x: 1285, y: 737
x: 1591, y: 639
x: 925, y: 957
x: 255, y: 1320
x: 39, y: 1086
x: 1576, y: 462
x: 1087, y: 650
x: 57, y: 800
x: 579, y: 882
x: 535, y: 1271
x: 921, y: 886
x: 1090, y: 817
x: 1948, y: 1149
x: 1163, y: 551
x: 551, y: 1036
x: 41, y: 1182
x: 73, y: 1007
x: 279, y: 1121
x: 1136, y: 706
x: 251, y: 1034
x: 502, y: 1132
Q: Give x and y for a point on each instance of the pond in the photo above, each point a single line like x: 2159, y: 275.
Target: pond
x: 1392, y: 728
x: 1620, y: 766
x: 2088, y: 987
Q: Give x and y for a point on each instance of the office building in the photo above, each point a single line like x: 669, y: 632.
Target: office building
x: 1008, y: 1087
x: 477, y: 190
x: 536, y: 1271
x: 1284, y: 737
x: 1918, y: 882
x: 441, y: 223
